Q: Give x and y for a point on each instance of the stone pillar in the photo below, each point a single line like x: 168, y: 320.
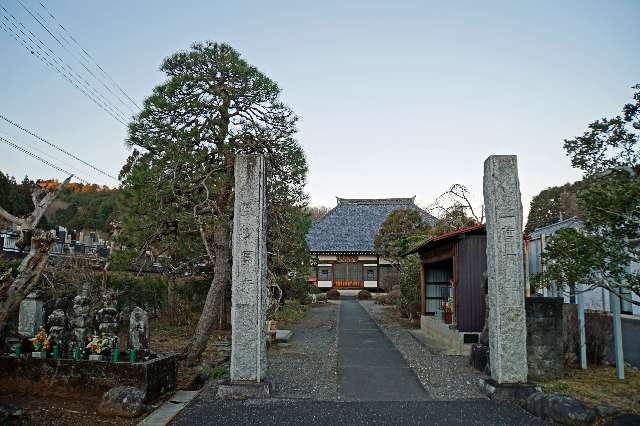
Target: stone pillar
x: 80, y: 321
x: 249, y: 272
x: 507, y: 318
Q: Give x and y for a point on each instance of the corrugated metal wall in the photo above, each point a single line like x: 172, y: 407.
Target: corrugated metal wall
x: 472, y: 262
x: 534, y: 253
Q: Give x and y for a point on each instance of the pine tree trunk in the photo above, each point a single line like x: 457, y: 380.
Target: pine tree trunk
x: 211, y: 313
x: 172, y: 300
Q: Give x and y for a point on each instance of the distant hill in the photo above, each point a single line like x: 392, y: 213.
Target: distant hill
x: 79, y: 206
x: 83, y: 210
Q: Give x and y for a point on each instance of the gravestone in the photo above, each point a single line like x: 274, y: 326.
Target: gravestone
x: 248, y: 276
x: 30, y: 316
x: 108, y: 315
x: 139, y: 329
x: 507, y: 318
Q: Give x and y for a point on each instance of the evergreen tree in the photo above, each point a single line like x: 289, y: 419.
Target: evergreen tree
x: 177, y: 185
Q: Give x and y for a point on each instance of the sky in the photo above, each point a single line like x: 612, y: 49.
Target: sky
x: 396, y: 99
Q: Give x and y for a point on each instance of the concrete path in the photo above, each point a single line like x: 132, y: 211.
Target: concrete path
x: 370, y: 367
x: 365, y: 413
x: 375, y: 387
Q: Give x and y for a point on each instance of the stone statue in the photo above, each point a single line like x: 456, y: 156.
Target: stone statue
x: 57, y: 321
x: 139, y: 330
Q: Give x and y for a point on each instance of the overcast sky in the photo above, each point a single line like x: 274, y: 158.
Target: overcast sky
x: 395, y: 98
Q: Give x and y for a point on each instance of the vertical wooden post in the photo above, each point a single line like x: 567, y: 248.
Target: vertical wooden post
x: 423, y: 288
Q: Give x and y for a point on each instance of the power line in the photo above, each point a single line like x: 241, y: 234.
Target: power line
x: 37, y: 157
x: 62, y: 62
x: 94, y: 95
x: 51, y: 144
x: 87, y: 56
x: 36, y: 147
x: 34, y: 49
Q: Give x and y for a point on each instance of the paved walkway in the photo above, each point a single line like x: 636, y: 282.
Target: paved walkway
x: 370, y: 367
x: 375, y: 387
x: 366, y: 413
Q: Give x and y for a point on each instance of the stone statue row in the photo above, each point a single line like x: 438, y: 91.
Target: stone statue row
x: 74, y: 330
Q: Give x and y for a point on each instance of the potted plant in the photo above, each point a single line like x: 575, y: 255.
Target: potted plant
x: 100, y: 346
x: 41, y: 344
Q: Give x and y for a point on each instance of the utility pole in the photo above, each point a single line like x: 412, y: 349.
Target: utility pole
x: 581, y: 328
x: 614, y: 301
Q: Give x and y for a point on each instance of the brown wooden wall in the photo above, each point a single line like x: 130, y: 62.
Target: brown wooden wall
x: 472, y: 262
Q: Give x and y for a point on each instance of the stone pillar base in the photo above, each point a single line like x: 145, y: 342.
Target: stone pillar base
x: 507, y: 391
x: 245, y: 390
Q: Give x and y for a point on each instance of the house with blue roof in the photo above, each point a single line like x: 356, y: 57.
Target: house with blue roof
x: 341, y: 244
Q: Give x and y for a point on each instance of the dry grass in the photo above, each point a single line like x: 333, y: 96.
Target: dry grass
x: 598, y: 385
x: 392, y: 313
x: 167, y: 337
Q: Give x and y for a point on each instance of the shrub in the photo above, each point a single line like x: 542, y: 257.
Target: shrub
x: 364, y: 295
x: 333, y: 294
x: 380, y: 299
x: 598, y: 332
x: 297, y: 288
x: 393, y: 297
x: 291, y: 311
x: 570, y: 335
x: 318, y: 298
x: 313, y: 289
x: 147, y: 292
x: 410, y: 310
x: 409, y: 301
x: 7, y: 264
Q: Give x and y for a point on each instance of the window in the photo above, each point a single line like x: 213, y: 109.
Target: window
x: 324, y: 273
x: 370, y: 273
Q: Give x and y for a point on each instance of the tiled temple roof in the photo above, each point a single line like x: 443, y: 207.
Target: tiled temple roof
x: 353, y: 224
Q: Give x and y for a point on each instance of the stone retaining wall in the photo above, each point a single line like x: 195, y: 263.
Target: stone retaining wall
x: 87, y: 379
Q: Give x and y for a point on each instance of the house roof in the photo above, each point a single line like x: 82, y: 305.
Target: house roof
x: 572, y: 222
x: 449, y: 235
x: 352, y: 225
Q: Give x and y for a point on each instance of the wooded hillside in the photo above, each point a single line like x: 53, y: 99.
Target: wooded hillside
x: 79, y: 206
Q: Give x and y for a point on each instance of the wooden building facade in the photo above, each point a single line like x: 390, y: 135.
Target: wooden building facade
x: 341, y: 244
x: 451, y: 278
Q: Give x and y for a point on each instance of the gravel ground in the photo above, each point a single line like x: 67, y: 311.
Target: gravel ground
x: 445, y: 377
x: 308, y: 367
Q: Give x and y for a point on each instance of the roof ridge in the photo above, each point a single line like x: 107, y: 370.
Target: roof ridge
x: 398, y: 200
